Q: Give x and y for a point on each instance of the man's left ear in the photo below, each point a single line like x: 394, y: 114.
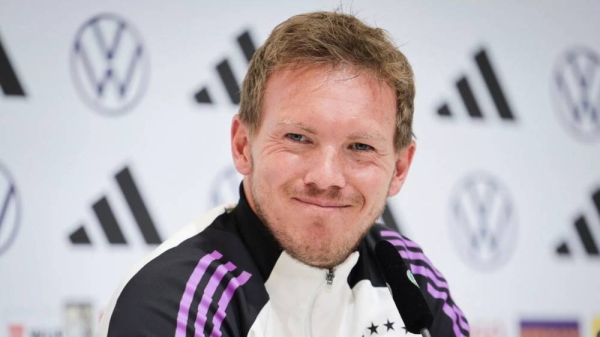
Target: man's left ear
x: 401, y: 170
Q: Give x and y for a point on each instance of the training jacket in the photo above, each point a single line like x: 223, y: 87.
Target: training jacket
x: 225, y: 275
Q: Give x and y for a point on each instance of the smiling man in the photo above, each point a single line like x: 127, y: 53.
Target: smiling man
x: 323, y: 138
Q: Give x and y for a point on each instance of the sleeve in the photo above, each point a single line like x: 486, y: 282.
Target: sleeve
x: 449, y: 320
x: 167, y: 298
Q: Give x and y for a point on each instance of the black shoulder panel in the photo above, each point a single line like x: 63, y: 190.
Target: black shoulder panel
x: 208, y: 282
x: 449, y: 320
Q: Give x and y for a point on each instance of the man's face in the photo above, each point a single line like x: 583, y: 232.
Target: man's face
x: 319, y: 168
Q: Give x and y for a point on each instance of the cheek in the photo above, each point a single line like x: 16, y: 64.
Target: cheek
x: 373, y: 179
x: 279, y: 155
x: 277, y: 169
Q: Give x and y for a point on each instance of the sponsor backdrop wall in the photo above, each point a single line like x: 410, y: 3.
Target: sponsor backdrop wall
x: 114, y: 133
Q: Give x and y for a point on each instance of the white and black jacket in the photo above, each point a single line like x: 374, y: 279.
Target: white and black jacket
x: 225, y: 275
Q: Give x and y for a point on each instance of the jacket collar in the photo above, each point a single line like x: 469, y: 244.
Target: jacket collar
x: 257, y: 238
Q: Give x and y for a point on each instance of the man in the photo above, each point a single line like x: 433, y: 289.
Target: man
x: 323, y: 137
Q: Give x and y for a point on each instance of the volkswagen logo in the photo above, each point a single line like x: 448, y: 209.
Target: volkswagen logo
x: 109, y: 64
x: 576, y: 92
x: 225, y: 189
x: 9, y: 210
x: 483, y: 221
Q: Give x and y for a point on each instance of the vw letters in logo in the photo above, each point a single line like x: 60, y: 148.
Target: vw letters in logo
x: 483, y: 221
x: 9, y: 210
x: 576, y: 91
x: 109, y: 64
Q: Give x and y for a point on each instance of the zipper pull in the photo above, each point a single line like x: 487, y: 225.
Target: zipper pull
x: 329, y: 276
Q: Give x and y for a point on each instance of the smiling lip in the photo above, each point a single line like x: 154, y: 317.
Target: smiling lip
x: 322, y: 203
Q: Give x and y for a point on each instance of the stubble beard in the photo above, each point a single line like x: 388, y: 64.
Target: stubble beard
x: 316, y: 251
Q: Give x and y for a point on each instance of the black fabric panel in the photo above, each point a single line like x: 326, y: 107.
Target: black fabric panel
x: 367, y: 269
x: 442, y: 324
x: 149, y: 303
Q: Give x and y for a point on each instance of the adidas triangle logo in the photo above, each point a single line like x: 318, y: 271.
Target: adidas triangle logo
x: 468, y: 98
x: 584, y: 234
x: 108, y: 222
x: 228, y: 79
x: 8, y: 78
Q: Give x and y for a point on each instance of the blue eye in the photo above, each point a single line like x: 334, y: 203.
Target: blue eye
x: 296, y: 137
x: 361, y: 147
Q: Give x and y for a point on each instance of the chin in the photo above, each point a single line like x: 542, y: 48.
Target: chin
x: 321, y: 251
x: 319, y: 259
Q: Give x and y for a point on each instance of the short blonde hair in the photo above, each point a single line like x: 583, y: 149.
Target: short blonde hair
x: 330, y: 38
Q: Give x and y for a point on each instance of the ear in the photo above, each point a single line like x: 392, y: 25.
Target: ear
x: 240, y: 146
x: 403, y: 162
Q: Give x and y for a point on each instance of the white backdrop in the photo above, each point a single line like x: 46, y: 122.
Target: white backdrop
x: 491, y: 200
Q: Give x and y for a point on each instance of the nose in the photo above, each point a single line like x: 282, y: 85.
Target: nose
x: 325, y: 169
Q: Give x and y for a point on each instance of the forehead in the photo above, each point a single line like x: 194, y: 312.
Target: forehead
x: 327, y: 90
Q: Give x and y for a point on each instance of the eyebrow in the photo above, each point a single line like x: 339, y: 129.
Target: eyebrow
x: 356, y: 136
x: 299, y: 125
x: 365, y: 135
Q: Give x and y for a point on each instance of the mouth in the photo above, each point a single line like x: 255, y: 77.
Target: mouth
x: 323, y: 203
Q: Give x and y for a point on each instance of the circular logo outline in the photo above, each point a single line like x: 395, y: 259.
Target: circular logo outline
x: 227, y: 177
x: 504, y: 252
x: 77, y: 77
x: 12, y: 236
x: 564, y: 62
